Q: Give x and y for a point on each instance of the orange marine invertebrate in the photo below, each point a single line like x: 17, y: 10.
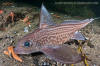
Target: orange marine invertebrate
x: 1, y: 11
x: 11, y: 52
x: 6, y: 53
x: 25, y: 19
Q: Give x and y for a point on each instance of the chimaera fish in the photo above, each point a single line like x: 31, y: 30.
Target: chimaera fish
x: 49, y: 39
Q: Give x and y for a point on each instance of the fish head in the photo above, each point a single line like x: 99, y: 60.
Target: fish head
x: 26, y: 46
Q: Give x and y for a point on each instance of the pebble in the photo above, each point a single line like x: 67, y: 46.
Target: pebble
x: 30, y: 26
x: 15, y: 32
x: 13, y: 6
x: 87, y: 38
x: 45, y: 64
x: 64, y: 65
x: 94, y: 65
x: 26, y: 29
x: 52, y: 13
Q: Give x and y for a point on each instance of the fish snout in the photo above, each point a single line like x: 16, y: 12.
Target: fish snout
x: 19, y: 50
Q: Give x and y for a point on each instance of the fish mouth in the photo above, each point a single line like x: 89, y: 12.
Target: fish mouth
x: 20, y: 51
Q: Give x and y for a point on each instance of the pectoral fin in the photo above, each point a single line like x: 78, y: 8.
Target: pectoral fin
x: 62, y: 54
x: 78, y: 36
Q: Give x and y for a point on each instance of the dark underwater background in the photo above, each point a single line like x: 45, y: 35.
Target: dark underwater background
x: 83, y: 10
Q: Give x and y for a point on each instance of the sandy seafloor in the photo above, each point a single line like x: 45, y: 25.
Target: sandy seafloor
x: 15, y: 32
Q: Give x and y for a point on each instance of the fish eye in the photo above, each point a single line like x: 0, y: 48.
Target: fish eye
x: 27, y: 44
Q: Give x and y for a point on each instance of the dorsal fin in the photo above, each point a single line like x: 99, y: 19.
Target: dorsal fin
x: 45, y: 18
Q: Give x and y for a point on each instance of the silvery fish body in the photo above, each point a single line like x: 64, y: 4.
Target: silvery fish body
x: 49, y: 38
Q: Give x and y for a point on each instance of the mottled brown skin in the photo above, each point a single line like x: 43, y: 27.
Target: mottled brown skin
x: 53, y: 35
